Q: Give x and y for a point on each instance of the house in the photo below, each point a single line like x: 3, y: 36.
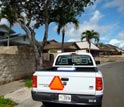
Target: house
x: 84, y: 47
x: 107, y: 49
x: 9, y: 37
x: 54, y: 47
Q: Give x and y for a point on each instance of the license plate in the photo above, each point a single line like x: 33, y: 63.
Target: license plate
x: 65, y: 98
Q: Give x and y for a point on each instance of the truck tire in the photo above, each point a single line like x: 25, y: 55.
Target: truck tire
x: 45, y: 104
x: 99, y: 105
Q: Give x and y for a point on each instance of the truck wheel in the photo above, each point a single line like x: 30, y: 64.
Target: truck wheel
x: 99, y: 105
x: 45, y: 104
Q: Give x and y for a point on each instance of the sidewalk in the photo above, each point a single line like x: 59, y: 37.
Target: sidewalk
x: 15, y: 91
x: 18, y: 93
x: 11, y: 87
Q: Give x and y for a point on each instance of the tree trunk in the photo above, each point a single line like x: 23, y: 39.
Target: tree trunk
x: 8, y: 42
x: 45, y: 33
x: 44, y: 43
x: 31, y: 37
x: 63, y: 36
x: 37, y: 50
x: 89, y: 47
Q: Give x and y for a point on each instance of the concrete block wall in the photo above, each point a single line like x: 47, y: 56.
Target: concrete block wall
x: 17, y: 64
x: 110, y: 58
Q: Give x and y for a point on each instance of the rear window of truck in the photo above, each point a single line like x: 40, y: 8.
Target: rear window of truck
x: 74, y: 60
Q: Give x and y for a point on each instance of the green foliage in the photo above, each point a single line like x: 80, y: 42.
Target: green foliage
x: 28, y: 83
x: 6, y: 102
x: 8, y: 14
x: 42, y: 12
x: 89, y: 35
x: 107, y: 53
x: 111, y: 60
x: 62, y: 24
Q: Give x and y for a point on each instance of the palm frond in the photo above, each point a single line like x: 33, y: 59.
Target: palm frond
x: 89, y: 35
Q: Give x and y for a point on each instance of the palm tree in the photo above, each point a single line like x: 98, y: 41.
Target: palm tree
x: 62, y: 26
x: 89, y: 35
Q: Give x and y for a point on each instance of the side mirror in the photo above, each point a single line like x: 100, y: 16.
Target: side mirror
x: 97, y: 62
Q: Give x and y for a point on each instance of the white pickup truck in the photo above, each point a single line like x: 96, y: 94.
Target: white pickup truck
x: 73, y: 79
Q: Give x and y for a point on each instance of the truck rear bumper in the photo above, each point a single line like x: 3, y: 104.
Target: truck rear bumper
x: 75, y: 99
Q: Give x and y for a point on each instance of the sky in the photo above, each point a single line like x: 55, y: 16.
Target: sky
x: 105, y: 16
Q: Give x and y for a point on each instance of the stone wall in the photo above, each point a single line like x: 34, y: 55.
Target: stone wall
x: 16, y: 63
x: 110, y: 58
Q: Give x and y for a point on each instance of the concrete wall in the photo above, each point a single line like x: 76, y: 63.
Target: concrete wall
x: 16, y: 63
x: 110, y: 58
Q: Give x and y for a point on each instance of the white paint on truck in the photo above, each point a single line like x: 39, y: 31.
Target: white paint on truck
x: 82, y: 82
x: 79, y: 83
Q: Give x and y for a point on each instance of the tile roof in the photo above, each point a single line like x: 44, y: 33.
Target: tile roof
x: 70, y: 45
x: 108, y: 47
x: 85, y: 45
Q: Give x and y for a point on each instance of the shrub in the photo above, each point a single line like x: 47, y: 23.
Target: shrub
x: 6, y: 102
x: 28, y: 83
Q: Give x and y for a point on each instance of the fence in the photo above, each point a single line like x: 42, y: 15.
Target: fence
x: 16, y: 63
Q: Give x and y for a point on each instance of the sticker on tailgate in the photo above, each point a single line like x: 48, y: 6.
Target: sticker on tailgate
x: 56, y: 84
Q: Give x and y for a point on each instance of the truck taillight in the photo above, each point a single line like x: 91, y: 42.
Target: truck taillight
x: 99, y: 84
x: 34, y: 81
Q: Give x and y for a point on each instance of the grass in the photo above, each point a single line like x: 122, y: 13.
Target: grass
x: 110, y: 60
x: 28, y: 83
x: 6, y: 102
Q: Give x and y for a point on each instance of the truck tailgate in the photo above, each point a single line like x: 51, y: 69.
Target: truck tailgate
x: 69, y: 82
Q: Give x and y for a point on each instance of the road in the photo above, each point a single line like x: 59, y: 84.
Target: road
x: 114, y: 84
x: 113, y: 75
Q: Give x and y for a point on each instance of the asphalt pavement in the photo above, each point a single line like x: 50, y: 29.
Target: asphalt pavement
x: 113, y: 75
